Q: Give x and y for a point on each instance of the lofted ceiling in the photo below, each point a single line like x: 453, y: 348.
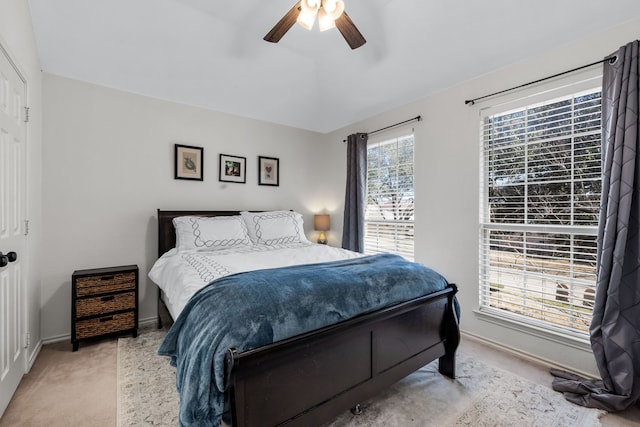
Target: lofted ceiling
x: 210, y: 53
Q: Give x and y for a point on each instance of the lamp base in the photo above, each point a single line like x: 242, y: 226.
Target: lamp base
x: 322, y: 239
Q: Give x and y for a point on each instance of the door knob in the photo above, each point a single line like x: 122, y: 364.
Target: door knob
x: 6, y: 259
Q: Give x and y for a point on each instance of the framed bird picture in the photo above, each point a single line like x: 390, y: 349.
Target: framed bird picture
x: 188, y: 161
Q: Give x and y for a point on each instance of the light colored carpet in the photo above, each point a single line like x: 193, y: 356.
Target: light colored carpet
x: 480, y: 396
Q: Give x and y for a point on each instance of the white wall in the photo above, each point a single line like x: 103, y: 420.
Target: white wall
x: 16, y: 36
x: 108, y: 166
x: 447, y: 183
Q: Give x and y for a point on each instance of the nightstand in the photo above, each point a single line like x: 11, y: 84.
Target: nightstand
x: 104, y: 301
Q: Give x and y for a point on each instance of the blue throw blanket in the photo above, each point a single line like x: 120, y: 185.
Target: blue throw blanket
x: 249, y: 310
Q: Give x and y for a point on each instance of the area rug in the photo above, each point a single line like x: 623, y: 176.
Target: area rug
x: 147, y: 393
x: 480, y: 396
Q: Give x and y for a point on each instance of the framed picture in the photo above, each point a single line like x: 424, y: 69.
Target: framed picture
x: 233, y: 168
x: 268, y: 171
x: 188, y: 162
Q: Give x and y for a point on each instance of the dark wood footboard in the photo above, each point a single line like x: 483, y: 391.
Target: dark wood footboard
x: 312, y: 378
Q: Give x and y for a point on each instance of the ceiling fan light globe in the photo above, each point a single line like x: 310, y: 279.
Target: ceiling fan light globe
x: 338, y: 10
x: 325, y: 22
x: 306, y: 19
x: 310, y: 6
x: 329, y: 5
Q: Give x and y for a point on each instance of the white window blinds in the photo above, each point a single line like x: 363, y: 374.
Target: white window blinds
x: 540, y: 200
x: 389, y: 211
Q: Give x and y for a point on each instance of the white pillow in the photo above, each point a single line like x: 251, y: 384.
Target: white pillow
x: 275, y: 227
x: 210, y: 233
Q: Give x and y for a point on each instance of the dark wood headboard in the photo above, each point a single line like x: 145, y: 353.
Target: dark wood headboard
x: 166, y: 231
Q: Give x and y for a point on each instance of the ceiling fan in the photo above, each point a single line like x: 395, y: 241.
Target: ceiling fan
x: 330, y: 14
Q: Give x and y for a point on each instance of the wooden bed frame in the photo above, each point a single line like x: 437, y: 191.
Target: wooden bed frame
x: 311, y: 378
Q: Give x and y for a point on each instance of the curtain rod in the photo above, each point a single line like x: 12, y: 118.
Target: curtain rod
x: 416, y: 118
x: 611, y: 59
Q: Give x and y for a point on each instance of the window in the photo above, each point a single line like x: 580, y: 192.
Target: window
x: 541, y: 185
x: 389, y: 212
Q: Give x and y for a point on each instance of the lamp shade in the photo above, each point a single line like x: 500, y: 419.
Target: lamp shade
x: 321, y: 222
x: 306, y: 19
x: 310, y: 5
x: 325, y: 22
x: 336, y: 10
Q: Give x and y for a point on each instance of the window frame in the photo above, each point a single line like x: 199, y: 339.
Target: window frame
x: 588, y: 80
x: 390, y: 138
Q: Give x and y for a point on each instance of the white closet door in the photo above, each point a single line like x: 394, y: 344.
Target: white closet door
x: 12, y: 236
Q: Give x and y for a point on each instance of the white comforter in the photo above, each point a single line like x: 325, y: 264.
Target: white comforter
x: 182, y: 274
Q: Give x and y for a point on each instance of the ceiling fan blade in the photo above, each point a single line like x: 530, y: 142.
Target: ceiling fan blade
x: 349, y: 31
x: 284, y: 25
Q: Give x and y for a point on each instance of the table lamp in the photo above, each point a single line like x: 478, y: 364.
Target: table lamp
x: 321, y: 223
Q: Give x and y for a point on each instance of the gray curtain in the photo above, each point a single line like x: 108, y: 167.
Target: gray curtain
x: 356, y: 193
x: 615, y: 327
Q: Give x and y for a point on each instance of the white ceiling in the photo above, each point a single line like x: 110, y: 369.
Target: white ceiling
x: 210, y: 53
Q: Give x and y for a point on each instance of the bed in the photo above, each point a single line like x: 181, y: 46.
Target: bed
x: 310, y: 377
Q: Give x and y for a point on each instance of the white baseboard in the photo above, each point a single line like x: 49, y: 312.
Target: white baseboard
x: 31, y: 359
x: 148, y: 321
x: 58, y: 338
x: 524, y: 355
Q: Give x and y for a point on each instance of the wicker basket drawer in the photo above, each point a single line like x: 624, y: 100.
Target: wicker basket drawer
x: 105, y: 304
x: 91, y: 285
x: 105, y: 325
